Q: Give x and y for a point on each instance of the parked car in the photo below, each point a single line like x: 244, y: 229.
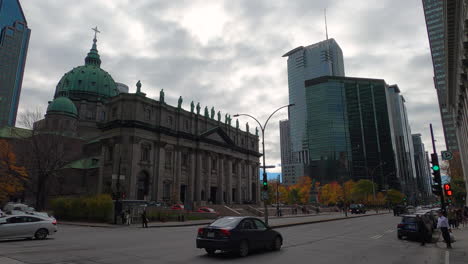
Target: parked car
x: 177, y: 207
x: 238, y: 234
x: 408, y: 227
x: 357, y: 209
x: 27, y: 226
x: 205, y: 210
x: 410, y: 209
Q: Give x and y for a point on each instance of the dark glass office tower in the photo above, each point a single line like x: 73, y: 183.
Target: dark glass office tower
x: 435, y: 24
x: 14, y: 40
x: 349, y: 131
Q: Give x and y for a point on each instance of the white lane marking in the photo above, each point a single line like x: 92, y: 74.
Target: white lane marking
x: 376, y: 236
x: 390, y: 231
x: 447, y: 257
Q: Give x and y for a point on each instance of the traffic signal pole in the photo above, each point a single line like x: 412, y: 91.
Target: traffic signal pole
x: 436, y: 171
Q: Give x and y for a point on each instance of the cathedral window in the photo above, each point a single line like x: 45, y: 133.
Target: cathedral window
x: 185, y: 160
x: 114, y: 112
x: 147, y: 114
x: 168, y: 162
x: 145, y: 152
x: 213, y: 164
x: 169, y: 120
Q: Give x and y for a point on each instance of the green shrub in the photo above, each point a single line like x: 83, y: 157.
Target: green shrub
x: 89, y: 208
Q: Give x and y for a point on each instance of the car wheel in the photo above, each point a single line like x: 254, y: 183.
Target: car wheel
x: 243, y: 248
x: 277, y: 244
x: 400, y: 237
x: 210, y: 251
x: 41, y: 234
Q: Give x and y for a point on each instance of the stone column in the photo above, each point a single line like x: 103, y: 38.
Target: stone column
x: 101, y: 170
x: 198, y: 177
x: 228, y: 178
x: 160, y: 172
x: 178, y: 167
x: 191, y: 178
x: 208, y: 177
x: 220, y: 180
x: 257, y: 182
x: 239, y: 183
x: 249, y: 181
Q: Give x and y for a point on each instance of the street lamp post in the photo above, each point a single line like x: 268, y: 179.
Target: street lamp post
x: 277, y: 197
x: 372, y: 177
x: 262, y: 128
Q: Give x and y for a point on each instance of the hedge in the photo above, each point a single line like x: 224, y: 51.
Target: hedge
x: 88, y: 208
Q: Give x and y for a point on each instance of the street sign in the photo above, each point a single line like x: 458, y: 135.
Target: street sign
x: 447, y: 155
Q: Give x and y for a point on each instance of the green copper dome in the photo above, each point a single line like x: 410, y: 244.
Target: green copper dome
x: 62, y: 105
x: 88, y: 81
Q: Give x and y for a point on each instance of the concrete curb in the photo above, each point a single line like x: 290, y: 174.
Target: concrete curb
x: 323, y: 221
x: 209, y: 222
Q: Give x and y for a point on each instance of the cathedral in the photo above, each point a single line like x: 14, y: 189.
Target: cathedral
x: 139, y: 148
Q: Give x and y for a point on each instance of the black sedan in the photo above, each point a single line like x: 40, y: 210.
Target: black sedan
x: 238, y: 234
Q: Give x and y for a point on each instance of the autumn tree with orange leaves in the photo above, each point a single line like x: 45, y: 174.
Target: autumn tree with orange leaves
x: 12, y: 176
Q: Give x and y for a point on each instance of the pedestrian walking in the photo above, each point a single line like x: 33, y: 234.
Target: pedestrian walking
x: 129, y: 217
x: 123, y: 217
x: 443, y: 225
x: 144, y: 219
x: 422, y: 228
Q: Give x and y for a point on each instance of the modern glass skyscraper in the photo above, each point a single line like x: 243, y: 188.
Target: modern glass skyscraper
x: 14, y: 41
x: 403, y: 142
x: 434, y: 14
x: 423, y: 171
x: 320, y: 59
x: 349, y: 130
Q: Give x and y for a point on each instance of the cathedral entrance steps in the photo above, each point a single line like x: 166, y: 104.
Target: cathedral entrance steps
x: 224, y: 210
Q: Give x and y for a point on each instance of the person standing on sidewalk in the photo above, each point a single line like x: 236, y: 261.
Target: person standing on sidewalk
x: 144, y: 219
x: 423, y: 232
x: 443, y: 225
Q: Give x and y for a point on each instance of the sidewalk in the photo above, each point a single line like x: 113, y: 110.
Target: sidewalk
x: 459, y: 251
x: 275, y: 222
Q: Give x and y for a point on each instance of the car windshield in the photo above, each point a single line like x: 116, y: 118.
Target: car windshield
x: 409, y: 220
x: 230, y: 222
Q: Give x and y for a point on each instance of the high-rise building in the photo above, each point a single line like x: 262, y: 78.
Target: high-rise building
x: 436, y: 30
x: 324, y: 58
x: 287, y: 168
x: 403, y: 142
x: 423, y: 170
x: 456, y: 52
x: 349, y: 133
x: 14, y: 41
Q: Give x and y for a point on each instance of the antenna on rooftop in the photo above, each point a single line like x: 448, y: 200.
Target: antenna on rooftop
x: 326, y: 27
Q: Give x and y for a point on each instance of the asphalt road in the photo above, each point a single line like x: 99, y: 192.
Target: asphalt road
x: 362, y: 240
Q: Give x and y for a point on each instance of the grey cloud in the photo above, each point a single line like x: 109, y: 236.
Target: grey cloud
x: 388, y: 41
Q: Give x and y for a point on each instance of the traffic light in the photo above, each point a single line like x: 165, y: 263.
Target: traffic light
x: 436, y: 189
x: 265, y: 185
x: 448, y: 190
x: 435, y: 164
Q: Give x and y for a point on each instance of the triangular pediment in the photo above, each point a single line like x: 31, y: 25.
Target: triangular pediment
x: 218, y: 135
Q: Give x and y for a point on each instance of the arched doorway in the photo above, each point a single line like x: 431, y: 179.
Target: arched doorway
x: 142, y: 185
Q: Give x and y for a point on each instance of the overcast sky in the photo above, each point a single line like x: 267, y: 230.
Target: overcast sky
x: 227, y: 54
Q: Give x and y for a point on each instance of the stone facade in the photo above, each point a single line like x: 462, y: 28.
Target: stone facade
x: 169, y: 154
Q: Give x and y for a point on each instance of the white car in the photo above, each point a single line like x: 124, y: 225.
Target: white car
x: 27, y: 226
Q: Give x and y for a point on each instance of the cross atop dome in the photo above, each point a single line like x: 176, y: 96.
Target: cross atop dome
x: 95, y: 31
x: 93, y: 55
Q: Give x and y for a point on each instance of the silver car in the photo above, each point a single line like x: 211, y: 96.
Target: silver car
x: 27, y: 226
